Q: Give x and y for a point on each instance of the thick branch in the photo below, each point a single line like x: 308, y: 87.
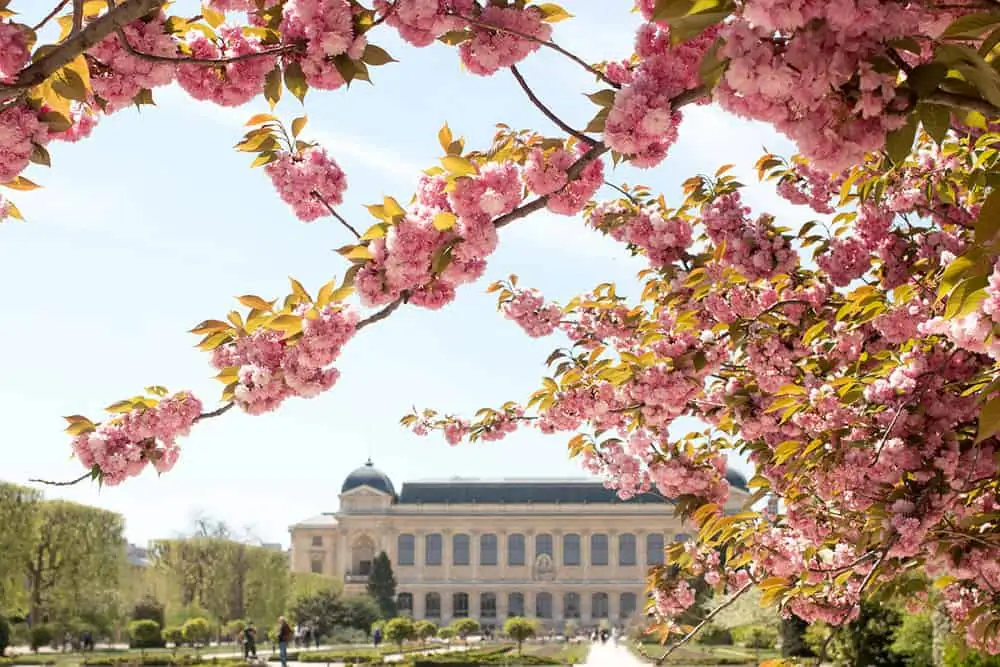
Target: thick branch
x: 548, y: 112
x: 215, y: 413
x: 551, y: 45
x: 190, y: 60
x: 334, y: 213
x: 384, y: 313
x: 75, y: 45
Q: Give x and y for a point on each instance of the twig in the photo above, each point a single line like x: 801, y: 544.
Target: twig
x: 548, y: 112
x: 382, y: 19
x: 334, y: 213
x: 215, y: 413
x: 74, y: 45
x: 77, y: 16
x: 384, y: 313
x: 69, y: 483
x: 50, y: 15
x: 276, y: 51
x: 615, y: 187
x: 888, y: 431
x: 961, y: 102
x: 705, y: 621
x: 548, y: 44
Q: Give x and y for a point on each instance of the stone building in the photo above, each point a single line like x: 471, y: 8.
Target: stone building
x: 549, y: 549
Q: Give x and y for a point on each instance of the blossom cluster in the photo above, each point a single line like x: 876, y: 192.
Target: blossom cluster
x: 123, y: 447
x: 270, y: 368
x: 309, y: 181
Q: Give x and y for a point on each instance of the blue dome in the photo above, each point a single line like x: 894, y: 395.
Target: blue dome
x: 369, y: 475
x: 736, y: 479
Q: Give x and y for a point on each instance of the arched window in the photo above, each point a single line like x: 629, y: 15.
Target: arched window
x: 571, y: 605
x: 515, y: 604
x: 626, y: 605
x: 515, y: 549
x: 432, y: 605
x: 654, y: 549
x: 626, y: 549
x: 488, y: 549
x: 404, y: 603
x: 571, y: 549
x: 460, y: 605
x: 487, y: 605
x: 460, y: 552
x: 599, y: 549
x: 599, y: 605
x: 543, y: 605
x: 433, y: 548
x: 543, y: 544
x: 406, y: 547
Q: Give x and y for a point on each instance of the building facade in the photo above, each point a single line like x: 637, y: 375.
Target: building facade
x: 552, y: 550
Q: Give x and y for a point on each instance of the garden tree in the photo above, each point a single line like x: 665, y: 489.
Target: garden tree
x: 149, y: 609
x: 792, y: 633
x: 309, y: 583
x: 867, y: 640
x: 145, y: 634
x: 360, y: 612
x: 853, y: 360
x: 76, y: 552
x: 173, y: 635
x: 520, y: 630
x: 322, y: 611
x: 382, y: 585
x: 423, y: 630
x: 446, y: 633
x: 197, y: 631
x: 400, y: 629
x: 18, y: 516
x: 464, y: 627
x: 914, y: 640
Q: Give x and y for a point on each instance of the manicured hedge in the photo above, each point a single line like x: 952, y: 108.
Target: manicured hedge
x: 159, y: 660
x: 28, y: 660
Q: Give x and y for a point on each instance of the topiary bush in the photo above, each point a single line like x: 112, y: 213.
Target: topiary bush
x: 713, y: 635
x: 145, y: 634
x: 41, y: 635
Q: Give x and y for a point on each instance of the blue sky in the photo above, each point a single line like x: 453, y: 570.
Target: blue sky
x: 154, y: 223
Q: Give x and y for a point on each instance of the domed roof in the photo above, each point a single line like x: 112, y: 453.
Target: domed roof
x: 369, y: 475
x: 736, y: 479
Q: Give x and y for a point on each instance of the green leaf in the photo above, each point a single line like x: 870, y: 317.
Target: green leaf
x: 295, y: 81
x: 552, y: 13
x: 972, y: 25
x: 936, y: 120
x: 989, y: 419
x: 899, y: 143
x: 298, y: 125
x: 602, y: 98
x: 376, y: 56
x: 988, y: 223
x: 39, y: 155
x: 966, y: 297
x: 959, y: 267
x: 272, y: 87
x: 924, y: 79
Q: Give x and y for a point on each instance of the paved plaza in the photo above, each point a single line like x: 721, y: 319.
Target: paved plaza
x: 609, y: 655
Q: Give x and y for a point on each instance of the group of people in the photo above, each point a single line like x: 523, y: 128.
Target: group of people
x: 300, y: 635
x: 85, y: 642
x: 602, y: 635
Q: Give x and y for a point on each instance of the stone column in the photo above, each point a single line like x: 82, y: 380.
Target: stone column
x: 474, y: 556
x: 345, y: 554
x: 419, y: 555
x: 475, y: 610
x: 612, y: 551
x: 585, y: 552
x: 447, y: 609
x: 557, y: 550
x: 529, y: 549
x: 501, y: 558
x: 446, y: 556
x: 501, y: 607
x: 614, y: 611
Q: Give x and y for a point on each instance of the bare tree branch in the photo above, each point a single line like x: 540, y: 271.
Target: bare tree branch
x: 50, y: 15
x: 548, y: 112
x: 69, y: 483
x: 334, y: 213
x: 77, y: 16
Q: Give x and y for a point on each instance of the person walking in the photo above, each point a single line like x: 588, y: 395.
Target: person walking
x: 284, y: 636
x: 249, y: 641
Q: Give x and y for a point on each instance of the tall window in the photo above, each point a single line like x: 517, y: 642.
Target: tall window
x: 571, y: 549
x: 626, y: 605
x: 317, y: 564
x: 654, y: 549
x: 404, y: 603
x: 460, y: 549
x: 488, y: 549
x: 681, y: 537
x: 571, y: 605
x: 515, y: 549
x: 317, y: 540
x: 543, y: 544
x: 515, y: 604
x: 432, y: 605
x: 626, y: 549
x: 460, y: 605
x: 487, y: 605
x: 599, y: 549
x: 599, y: 605
x: 432, y: 549
x: 543, y: 605
x: 406, y: 545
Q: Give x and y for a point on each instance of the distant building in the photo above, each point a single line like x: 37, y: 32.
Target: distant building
x: 550, y: 549
x: 137, y: 556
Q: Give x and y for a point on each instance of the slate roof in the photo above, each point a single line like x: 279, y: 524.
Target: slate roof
x: 509, y: 491
x: 369, y: 475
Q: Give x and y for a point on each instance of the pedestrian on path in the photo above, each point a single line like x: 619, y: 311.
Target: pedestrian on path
x: 284, y: 636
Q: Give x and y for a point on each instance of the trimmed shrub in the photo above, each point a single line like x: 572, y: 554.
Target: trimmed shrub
x: 713, y: 635
x: 145, y: 634
x: 41, y: 635
x: 755, y: 636
x: 959, y: 656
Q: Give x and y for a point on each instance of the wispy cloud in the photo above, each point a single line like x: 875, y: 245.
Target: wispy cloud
x: 366, y: 153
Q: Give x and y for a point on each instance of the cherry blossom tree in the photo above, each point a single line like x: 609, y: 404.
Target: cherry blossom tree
x: 852, y: 359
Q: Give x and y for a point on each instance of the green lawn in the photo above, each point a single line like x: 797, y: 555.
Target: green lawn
x: 709, y: 656
x: 575, y: 654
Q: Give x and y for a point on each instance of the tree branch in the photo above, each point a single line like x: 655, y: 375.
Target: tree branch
x: 73, y: 46
x: 384, y: 313
x: 69, y: 483
x: 548, y: 112
x: 548, y: 44
x: 334, y: 213
x: 50, y: 15
x: 961, y: 102
x: 189, y: 60
x: 215, y: 413
x: 77, y: 16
